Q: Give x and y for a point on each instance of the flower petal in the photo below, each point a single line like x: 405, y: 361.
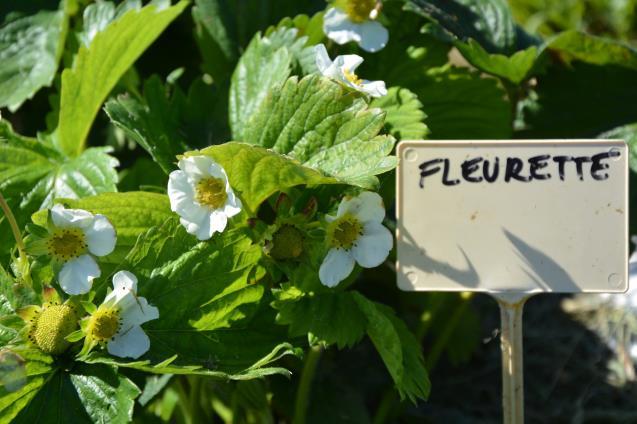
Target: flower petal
x: 138, y: 313
x: 70, y: 218
x: 196, y: 167
x: 100, y: 236
x: 233, y: 205
x: 124, y: 293
x: 181, y: 190
x: 322, y: 59
x: 77, y: 275
x: 374, y: 245
x: 373, y: 36
x: 338, y: 27
x: 367, y: 206
x: 336, y: 266
x: 348, y: 61
x: 130, y: 344
x: 218, y: 222
x: 373, y: 88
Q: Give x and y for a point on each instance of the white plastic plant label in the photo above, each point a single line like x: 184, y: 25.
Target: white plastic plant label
x: 504, y: 216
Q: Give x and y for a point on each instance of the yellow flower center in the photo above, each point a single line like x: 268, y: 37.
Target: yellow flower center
x: 357, y: 10
x: 344, y: 232
x: 67, y: 243
x: 104, y: 324
x: 287, y: 243
x: 352, y: 77
x: 51, y: 326
x: 211, y: 192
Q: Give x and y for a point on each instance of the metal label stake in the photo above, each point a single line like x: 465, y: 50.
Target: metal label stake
x: 549, y: 215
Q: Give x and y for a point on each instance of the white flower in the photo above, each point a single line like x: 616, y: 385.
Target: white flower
x: 118, y: 319
x: 354, y: 20
x: 342, y: 71
x: 201, y: 194
x: 356, y: 234
x: 77, y: 235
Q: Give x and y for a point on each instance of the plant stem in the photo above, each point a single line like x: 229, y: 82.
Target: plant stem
x: 305, y: 385
x: 24, y: 262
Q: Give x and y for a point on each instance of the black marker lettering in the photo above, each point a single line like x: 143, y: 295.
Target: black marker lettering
x: 445, y: 176
x: 424, y: 172
x: 513, y: 169
x: 578, y: 165
x: 469, y: 167
x: 537, y: 163
x: 496, y: 169
x: 561, y: 160
x: 598, y: 166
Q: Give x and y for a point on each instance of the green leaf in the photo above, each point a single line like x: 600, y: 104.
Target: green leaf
x: 83, y: 394
x: 132, y: 214
x: 332, y: 317
x: 461, y: 104
x: 398, y: 348
x: 32, y: 175
x: 209, y: 302
x: 257, y: 173
x: 224, y: 28
x: 404, y: 119
x: 311, y: 27
x: 30, y: 49
x: 266, y: 63
x: 577, y: 45
x: 325, y: 126
x: 152, y: 123
x: 628, y: 133
x: 166, y: 126
x: 489, y: 22
x: 515, y: 68
x: 37, y: 371
x: 96, y: 69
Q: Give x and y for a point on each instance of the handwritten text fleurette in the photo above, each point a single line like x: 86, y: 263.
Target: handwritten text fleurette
x: 534, y: 168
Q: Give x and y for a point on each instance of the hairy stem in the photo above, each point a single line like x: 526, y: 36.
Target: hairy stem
x: 24, y: 262
x: 305, y: 385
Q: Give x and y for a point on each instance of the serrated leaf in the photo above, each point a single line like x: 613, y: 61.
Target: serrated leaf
x: 132, y: 214
x: 259, y: 369
x: 577, y: 45
x: 332, y: 317
x: 257, y: 173
x: 398, y: 348
x: 32, y: 174
x: 325, y: 126
x: 266, y: 63
x: 37, y: 371
x: 489, y: 22
x: 515, y: 68
x: 96, y: 69
x: 30, y: 48
x: 207, y: 296
x: 166, y: 126
x: 405, y: 117
x: 462, y: 104
x: 83, y: 394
